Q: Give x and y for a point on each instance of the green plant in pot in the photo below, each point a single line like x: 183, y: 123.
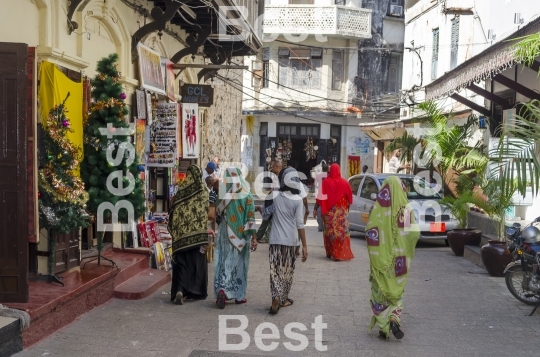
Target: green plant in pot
x: 495, y: 255
x: 514, y: 168
x: 460, y: 237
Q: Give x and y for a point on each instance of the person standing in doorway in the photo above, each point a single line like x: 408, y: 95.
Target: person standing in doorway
x: 395, y: 163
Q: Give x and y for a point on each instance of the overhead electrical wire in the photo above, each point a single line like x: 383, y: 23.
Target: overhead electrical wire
x: 235, y: 86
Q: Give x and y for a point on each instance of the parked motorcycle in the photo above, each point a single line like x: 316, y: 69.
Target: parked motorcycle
x: 523, y: 275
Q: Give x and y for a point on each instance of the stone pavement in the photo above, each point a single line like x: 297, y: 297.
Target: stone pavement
x: 452, y: 308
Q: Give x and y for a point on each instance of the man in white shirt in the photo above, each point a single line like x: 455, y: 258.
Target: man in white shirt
x: 394, y: 165
x: 209, y: 170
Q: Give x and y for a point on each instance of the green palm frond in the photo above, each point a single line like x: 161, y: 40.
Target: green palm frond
x: 406, y: 143
x: 516, y: 155
x: 528, y: 49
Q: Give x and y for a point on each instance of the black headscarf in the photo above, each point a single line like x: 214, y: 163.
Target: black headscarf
x: 289, y: 181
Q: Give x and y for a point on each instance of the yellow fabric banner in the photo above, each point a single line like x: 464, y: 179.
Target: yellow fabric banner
x: 53, y: 89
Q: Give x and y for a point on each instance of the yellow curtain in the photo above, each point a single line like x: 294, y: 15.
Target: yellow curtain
x: 53, y: 89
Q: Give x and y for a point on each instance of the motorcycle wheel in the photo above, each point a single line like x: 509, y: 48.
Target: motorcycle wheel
x: 514, y: 279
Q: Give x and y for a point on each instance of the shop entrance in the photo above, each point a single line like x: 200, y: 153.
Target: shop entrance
x: 298, y: 147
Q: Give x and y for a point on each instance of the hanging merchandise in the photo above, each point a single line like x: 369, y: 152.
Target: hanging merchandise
x: 190, y: 131
x: 310, y: 150
x: 354, y: 165
x: 140, y: 140
x: 163, y: 136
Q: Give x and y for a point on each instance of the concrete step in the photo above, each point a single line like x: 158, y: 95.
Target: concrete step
x: 10, y: 336
x: 142, y: 285
x: 472, y: 254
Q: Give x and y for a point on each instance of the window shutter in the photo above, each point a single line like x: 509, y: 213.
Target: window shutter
x: 283, y: 63
x: 266, y: 54
x: 435, y: 54
x: 337, y: 69
x: 316, y: 65
x: 454, y: 43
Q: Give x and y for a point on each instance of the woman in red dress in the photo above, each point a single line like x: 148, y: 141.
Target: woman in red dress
x: 335, y: 209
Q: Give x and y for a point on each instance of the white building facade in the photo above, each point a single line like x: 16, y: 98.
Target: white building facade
x: 298, y: 92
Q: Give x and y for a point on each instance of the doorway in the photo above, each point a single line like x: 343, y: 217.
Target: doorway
x: 14, y: 228
x: 300, y: 161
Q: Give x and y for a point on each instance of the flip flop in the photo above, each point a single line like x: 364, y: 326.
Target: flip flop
x: 275, y: 310
x: 290, y: 301
x: 221, y: 299
x: 238, y: 302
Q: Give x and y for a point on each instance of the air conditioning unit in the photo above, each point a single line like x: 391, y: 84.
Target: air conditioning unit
x: 257, y: 66
x: 396, y: 10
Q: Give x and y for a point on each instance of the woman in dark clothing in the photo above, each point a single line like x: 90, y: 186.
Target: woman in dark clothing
x: 188, y: 219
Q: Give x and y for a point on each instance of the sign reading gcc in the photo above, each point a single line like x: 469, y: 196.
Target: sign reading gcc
x: 197, y: 93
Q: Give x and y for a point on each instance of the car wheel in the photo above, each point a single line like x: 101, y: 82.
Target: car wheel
x: 446, y: 242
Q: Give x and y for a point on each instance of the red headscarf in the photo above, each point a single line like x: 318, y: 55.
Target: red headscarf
x: 335, y: 188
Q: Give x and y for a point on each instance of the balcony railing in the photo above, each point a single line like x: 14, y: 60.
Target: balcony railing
x: 314, y: 19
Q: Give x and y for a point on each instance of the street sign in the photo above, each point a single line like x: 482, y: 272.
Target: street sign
x: 201, y: 94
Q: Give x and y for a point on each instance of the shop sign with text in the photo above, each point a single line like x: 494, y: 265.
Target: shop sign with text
x: 198, y: 94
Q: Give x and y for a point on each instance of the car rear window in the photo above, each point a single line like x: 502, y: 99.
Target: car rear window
x: 417, y: 188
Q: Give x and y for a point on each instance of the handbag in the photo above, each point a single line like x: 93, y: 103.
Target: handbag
x: 211, y: 213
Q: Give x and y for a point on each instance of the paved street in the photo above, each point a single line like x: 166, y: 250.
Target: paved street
x: 452, y: 308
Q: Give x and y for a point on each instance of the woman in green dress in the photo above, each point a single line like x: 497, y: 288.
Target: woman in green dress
x: 391, y: 236
x: 236, y: 235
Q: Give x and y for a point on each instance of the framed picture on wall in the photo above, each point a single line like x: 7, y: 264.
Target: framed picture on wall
x: 151, y: 69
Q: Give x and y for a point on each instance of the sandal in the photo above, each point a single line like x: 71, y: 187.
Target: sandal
x: 179, y: 298
x: 288, y: 302
x: 221, y: 297
x: 382, y: 335
x: 275, y: 306
x: 238, y: 302
x: 394, y: 327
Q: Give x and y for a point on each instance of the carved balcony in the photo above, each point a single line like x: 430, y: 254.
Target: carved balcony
x: 331, y: 20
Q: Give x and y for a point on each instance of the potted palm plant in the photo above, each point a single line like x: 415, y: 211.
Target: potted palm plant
x: 460, y: 206
x: 495, y: 255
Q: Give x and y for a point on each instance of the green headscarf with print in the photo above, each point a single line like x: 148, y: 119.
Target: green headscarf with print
x: 391, y: 236
x: 236, y: 203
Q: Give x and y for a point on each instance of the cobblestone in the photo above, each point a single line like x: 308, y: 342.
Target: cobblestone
x: 452, y: 308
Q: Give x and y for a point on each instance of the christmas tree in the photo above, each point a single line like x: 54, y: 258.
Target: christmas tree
x: 62, y: 198
x: 108, y: 114
x: 61, y: 193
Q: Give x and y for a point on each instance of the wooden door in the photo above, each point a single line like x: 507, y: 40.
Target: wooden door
x: 379, y: 160
x: 66, y: 251
x: 13, y: 176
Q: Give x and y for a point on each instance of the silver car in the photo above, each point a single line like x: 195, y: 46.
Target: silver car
x: 434, y: 219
